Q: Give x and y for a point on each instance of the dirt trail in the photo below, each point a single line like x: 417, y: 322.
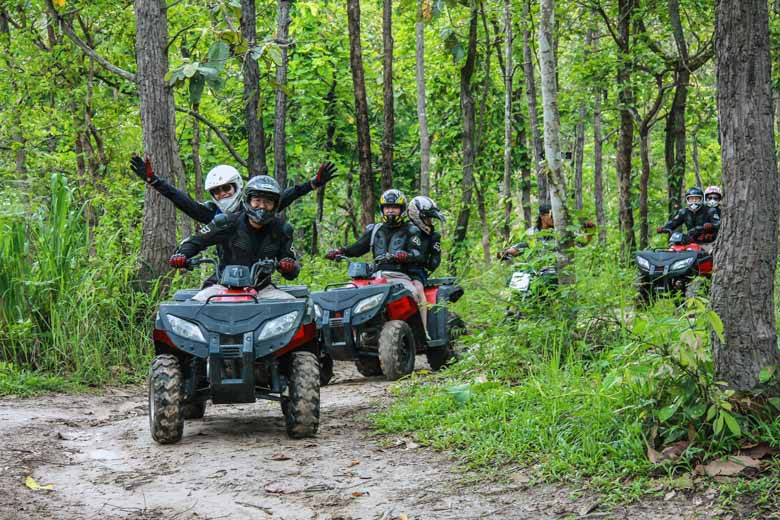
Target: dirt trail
x: 237, y: 462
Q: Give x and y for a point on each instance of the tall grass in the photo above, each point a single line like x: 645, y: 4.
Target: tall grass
x: 64, y: 310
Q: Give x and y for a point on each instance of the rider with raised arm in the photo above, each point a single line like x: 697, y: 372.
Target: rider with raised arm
x: 395, y: 245
x: 224, y: 184
x: 245, y: 236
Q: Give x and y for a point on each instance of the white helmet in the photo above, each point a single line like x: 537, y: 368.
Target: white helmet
x: 219, y: 176
x: 421, y: 210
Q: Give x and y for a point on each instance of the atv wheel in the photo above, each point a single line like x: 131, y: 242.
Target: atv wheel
x: 438, y: 358
x: 368, y: 366
x: 326, y: 369
x: 165, y: 396
x: 396, y: 349
x: 301, y: 407
x: 193, y: 410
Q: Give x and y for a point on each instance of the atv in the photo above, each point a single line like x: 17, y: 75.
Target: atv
x: 672, y: 271
x: 376, y: 323
x: 234, y: 348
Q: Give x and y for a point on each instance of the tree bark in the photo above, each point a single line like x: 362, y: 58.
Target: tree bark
x: 579, y: 152
x: 746, y: 250
x: 644, y: 179
x: 158, y: 124
x: 280, y: 114
x: 508, y: 73
x: 530, y: 91
x: 552, y: 146
x: 598, y: 169
x: 674, y: 146
x: 330, y: 139
x: 422, y: 117
x: 361, y: 113
x: 253, y: 110
x: 467, y: 140
x: 195, y: 145
x: 626, y: 137
x: 524, y: 159
x: 389, y: 114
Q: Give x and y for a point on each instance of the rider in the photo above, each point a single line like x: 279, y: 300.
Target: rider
x: 712, y: 197
x: 544, y: 222
x: 224, y: 184
x: 422, y: 210
x: 395, y: 245
x: 702, y: 222
x: 251, y: 233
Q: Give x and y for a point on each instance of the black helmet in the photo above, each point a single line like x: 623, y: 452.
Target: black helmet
x: 423, y: 208
x: 265, y: 186
x: 691, y: 193
x: 393, y: 198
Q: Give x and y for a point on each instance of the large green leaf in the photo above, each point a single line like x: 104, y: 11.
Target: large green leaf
x: 218, y: 55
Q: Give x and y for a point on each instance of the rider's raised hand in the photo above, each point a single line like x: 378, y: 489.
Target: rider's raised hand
x: 178, y: 261
x: 661, y: 229
x: 401, y: 257
x: 287, y: 266
x: 143, y: 170
x: 332, y: 254
x: 325, y: 173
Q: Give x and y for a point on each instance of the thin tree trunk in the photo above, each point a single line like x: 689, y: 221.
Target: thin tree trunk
x: 552, y: 146
x: 598, y: 169
x: 20, y: 143
x: 508, y: 73
x: 158, y: 124
x: 674, y: 146
x: 695, y: 157
x: 422, y: 117
x: 626, y: 137
x: 486, y: 256
x: 530, y: 90
x: 330, y: 137
x: 389, y: 114
x: 644, y: 152
x: 467, y: 140
x: 743, y: 284
x: 253, y: 110
x: 361, y: 113
x: 524, y: 160
x: 195, y: 145
x: 280, y: 114
x: 579, y: 152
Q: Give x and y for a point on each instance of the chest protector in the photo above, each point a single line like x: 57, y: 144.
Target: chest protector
x: 387, y: 240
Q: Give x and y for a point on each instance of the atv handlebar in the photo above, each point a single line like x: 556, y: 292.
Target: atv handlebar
x: 199, y: 260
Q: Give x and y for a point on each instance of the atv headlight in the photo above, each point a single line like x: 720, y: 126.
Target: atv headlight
x: 278, y: 326
x: 520, y: 281
x: 681, y: 264
x: 317, y: 312
x: 185, y: 329
x: 643, y: 263
x: 366, y: 304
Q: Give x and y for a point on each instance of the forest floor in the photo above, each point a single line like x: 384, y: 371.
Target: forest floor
x: 96, y: 453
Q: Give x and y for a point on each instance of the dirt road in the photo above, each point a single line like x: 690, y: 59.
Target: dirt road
x: 238, y: 463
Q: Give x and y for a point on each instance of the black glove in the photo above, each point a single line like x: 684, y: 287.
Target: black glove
x: 326, y: 172
x: 143, y: 169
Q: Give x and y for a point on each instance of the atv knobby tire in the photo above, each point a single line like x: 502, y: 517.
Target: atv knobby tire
x: 326, y: 369
x: 301, y: 407
x: 193, y: 410
x: 368, y: 366
x: 396, y: 349
x: 438, y: 358
x: 166, y: 420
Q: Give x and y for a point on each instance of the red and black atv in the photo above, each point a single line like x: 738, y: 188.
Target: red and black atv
x: 234, y: 348
x: 376, y: 323
x: 672, y: 271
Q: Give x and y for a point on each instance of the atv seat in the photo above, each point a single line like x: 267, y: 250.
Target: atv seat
x: 185, y: 294
x: 298, y: 291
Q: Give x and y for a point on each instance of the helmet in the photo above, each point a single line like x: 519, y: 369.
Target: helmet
x: 712, y: 196
x: 219, y: 176
x: 691, y: 193
x: 393, y: 198
x: 422, y: 209
x: 262, y: 185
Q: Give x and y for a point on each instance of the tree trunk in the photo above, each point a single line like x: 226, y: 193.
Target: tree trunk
x: 361, y: 113
x: 330, y: 137
x: 530, y: 90
x: 195, y: 144
x: 626, y: 137
x: 253, y: 110
x: 579, y: 152
x: 674, y: 146
x: 524, y: 160
x: 389, y: 115
x: 552, y: 146
x: 467, y: 111
x: 280, y: 114
x: 598, y: 158
x: 508, y: 73
x: 158, y: 124
x: 746, y: 250
x: 20, y: 142
x: 483, y: 225
x: 422, y: 117
x: 644, y: 152
x: 695, y: 157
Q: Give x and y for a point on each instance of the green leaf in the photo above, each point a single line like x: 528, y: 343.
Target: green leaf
x: 275, y: 54
x: 257, y: 52
x: 716, y: 323
x: 196, y: 89
x: 774, y: 401
x: 189, y: 69
x: 666, y: 412
x: 718, y: 427
x: 208, y: 72
x: 218, y: 55
x: 697, y: 410
x: 731, y: 423
x: 711, y: 412
x: 461, y: 393
x: 766, y: 374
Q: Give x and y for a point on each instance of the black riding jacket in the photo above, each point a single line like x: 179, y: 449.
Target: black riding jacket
x: 694, y: 223
x: 241, y: 244
x: 388, y: 240
x: 431, y: 257
x: 204, y: 212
